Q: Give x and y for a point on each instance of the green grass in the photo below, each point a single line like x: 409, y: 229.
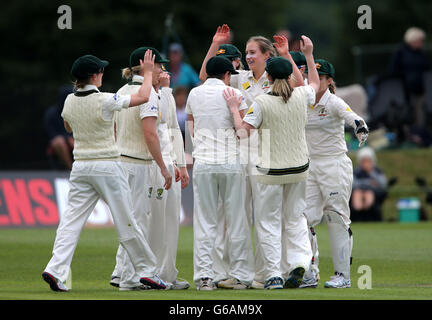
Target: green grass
x: 400, y: 256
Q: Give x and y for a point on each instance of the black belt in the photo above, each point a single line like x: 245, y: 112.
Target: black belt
x: 85, y: 93
x: 284, y: 171
x: 123, y: 155
x: 134, y: 83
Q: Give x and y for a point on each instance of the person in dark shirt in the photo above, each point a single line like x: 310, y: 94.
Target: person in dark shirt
x: 410, y: 62
x: 60, y: 142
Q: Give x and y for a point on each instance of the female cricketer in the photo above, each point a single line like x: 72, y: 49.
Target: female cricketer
x: 164, y: 217
x: 281, y: 118
x: 218, y: 173
x: 251, y: 83
x: 329, y: 185
x: 97, y: 173
x: 138, y: 141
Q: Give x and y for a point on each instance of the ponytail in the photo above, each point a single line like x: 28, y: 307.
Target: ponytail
x: 282, y: 88
x: 128, y: 73
x: 81, y: 83
x: 332, y: 86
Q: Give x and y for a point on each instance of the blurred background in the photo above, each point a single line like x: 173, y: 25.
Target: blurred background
x: 372, y: 68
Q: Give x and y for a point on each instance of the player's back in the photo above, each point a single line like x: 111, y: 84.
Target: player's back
x: 215, y: 140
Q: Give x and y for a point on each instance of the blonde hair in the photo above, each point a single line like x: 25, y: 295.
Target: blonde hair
x: 413, y: 34
x: 264, y: 44
x: 128, y: 73
x: 282, y: 88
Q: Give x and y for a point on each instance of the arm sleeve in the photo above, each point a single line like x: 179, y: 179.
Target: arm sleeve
x: 310, y: 95
x: 150, y: 108
x: 176, y: 135
x: 254, y: 115
x: 164, y: 103
x: 243, y: 105
x: 341, y: 109
x: 114, y: 102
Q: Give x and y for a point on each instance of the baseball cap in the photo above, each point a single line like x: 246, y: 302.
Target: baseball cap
x: 137, y: 54
x: 87, y: 65
x: 278, y: 68
x: 219, y: 65
x: 324, y: 67
x: 228, y: 50
x: 298, y: 57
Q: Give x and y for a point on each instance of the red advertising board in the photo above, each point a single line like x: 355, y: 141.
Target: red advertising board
x: 39, y: 199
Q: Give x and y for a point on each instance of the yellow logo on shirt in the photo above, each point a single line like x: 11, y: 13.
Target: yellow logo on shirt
x: 311, y: 106
x: 348, y: 109
x: 250, y: 110
x: 246, y: 85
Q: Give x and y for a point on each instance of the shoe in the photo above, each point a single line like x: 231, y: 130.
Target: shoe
x: 257, y: 285
x: 295, y: 278
x: 154, y: 282
x: 310, y: 280
x: 55, y: 284
x: 216, y: 283
x: 180, y: 284
x: 206, y: 284
x: 232, y: 284
x: 274, y: 283
x: 338, y: 281
x: 115, y: 281
x: 137, y: 288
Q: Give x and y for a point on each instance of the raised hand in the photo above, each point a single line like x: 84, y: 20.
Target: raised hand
x: 148, y: 63
x: 306, y: 46
x: 281, y: 45
x: 164, y: 79
x: 222, y: 35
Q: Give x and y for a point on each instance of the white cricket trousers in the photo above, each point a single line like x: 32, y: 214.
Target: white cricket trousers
x: 227, y: 181
x: 328, y: 190
x: 163, y: 223
x: 90, y: 181
x: 282, y: 228
x: 138, y: 175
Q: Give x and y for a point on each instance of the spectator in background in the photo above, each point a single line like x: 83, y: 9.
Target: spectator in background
x: 369, y: 188
x: 410, y: 62
x: 61, y: 143
x: 180, y: 96
x: 182, y: 74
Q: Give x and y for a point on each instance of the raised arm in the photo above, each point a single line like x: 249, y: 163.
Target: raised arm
x: 306, y: 46
x: 221, y: 36
x: 282, y: 48
x: 143, y: 94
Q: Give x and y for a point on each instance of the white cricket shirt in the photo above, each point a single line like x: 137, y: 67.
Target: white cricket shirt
x: 325, y: 129
x: 215, y: 140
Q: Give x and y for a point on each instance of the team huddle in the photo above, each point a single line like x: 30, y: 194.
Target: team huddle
x: 269, y: 155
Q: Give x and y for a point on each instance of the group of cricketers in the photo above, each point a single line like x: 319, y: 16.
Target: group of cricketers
x: 269, y: 155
